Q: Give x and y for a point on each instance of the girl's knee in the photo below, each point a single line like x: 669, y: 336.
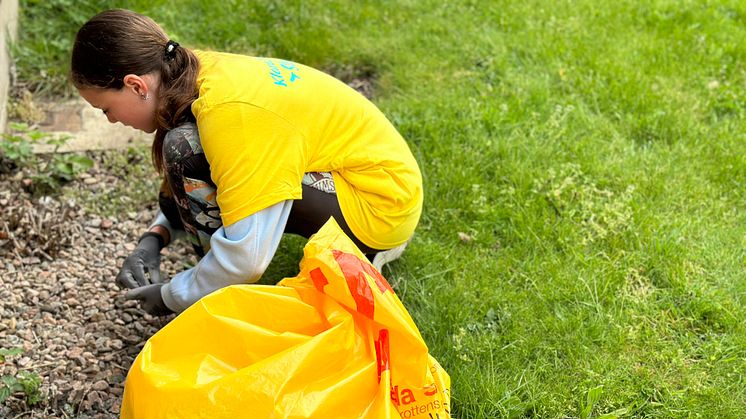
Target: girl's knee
x: 181, y: 143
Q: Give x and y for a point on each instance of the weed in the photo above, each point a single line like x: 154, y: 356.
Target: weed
x: 25, y: 384
x: 15, y: 152
x: 599, y: 212
x: 46, y: 172
x: 9, y: 352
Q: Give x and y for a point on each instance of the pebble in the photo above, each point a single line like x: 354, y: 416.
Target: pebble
x: 100, y: 385
x: 64, y: 310
x: 48, y: 319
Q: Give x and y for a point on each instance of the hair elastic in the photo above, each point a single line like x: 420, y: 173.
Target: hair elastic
x: 171, y: 50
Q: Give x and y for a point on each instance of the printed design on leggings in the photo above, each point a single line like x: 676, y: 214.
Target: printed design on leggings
x: 194, y: 142
x: 204, y: 208
x: 188, y: 174
x: 322, y: 181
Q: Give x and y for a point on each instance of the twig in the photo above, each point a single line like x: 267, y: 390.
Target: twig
x: 114, y: 364
x: 48, y: 364
x: 44, y: 254
x: 80, y: 403
x: 11, y: 236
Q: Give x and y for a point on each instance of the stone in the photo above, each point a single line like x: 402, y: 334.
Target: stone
x: 100, y: 385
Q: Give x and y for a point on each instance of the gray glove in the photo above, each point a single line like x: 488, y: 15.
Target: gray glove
x: 143, y: 266
x: 150, y: 299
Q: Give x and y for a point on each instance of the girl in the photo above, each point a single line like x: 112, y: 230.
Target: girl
x: 249, y: 148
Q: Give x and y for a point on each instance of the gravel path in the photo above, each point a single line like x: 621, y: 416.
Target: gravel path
x: 59, y: 302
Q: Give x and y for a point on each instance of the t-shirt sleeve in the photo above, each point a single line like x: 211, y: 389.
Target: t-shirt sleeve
x: 256, y: 157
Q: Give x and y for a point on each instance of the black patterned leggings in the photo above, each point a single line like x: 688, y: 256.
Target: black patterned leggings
x: 189, y: 201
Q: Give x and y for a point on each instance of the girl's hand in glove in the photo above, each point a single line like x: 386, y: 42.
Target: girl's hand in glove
x: 150, y: 299
x: 143, y: 266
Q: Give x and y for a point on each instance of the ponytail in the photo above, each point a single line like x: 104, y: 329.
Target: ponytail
x: 178, y: 89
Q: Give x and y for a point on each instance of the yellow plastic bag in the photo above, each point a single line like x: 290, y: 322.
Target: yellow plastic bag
x: 333, y: 342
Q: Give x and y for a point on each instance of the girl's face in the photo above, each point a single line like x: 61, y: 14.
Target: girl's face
x: 133, y: 105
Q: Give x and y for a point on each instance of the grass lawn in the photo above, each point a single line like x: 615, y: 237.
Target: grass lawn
x: 581, y: 250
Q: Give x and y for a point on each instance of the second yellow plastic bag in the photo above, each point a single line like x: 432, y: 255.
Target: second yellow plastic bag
x: 333, y: 342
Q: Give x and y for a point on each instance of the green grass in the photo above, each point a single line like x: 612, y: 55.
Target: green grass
x: 592, y: 150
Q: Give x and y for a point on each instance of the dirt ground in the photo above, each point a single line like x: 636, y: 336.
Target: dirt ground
x: 59, y: 302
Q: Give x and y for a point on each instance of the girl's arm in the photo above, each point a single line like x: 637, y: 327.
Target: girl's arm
x: 239, y: 254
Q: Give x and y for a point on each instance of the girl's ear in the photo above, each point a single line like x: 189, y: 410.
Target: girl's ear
x: 136, y: 84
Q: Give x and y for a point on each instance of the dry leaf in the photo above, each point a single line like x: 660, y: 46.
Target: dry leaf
x: 465, y: 238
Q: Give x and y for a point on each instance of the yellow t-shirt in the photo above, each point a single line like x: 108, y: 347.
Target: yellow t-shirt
x: 264, y: 122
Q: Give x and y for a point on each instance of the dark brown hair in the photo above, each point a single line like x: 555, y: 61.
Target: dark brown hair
x: 118, y: 42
